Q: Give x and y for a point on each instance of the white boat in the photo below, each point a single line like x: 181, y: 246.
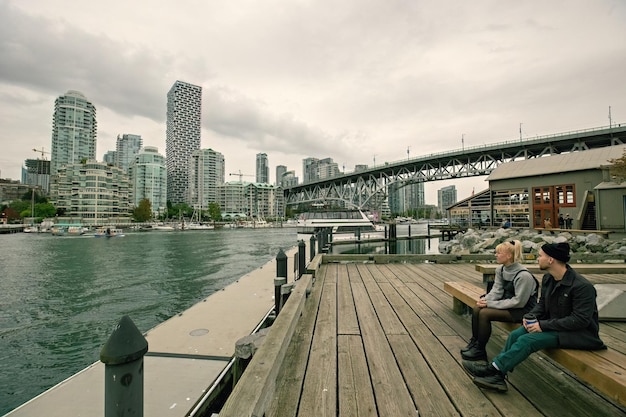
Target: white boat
x: 198, y: 226
x: 163, y: 227
x: 68, y: 230
x: 109, y: 232
x: 345, y: 225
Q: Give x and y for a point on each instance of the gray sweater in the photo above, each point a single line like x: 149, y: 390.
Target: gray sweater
x: 525, y: 287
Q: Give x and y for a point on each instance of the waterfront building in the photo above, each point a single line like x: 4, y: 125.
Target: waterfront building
x: 148, y: 178
x: 126, y: 148
x: 254, y: 200
x: 92, y: 192
x: 262, y: 168
x: 74, y: 130
x: 207, y: 171
x: 184, y: 111
x: 446, y: 197
x: 525, y: 193
x: 37, y: 173
x: 12, y: 190
x: 280, y: 171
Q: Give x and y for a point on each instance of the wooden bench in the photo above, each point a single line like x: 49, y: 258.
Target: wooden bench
x: 603, y: 369
x: 489, y: 270
x: 603, y: 233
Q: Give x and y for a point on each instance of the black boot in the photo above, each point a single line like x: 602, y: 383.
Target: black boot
x: 495, y: 381
x: 475, y: 353
x: 486, y: 376
x: 470, y: 344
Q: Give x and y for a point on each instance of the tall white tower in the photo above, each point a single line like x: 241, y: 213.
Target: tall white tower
x: 74, y: 130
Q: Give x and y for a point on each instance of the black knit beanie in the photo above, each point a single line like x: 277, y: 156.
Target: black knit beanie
x: 558, y: 251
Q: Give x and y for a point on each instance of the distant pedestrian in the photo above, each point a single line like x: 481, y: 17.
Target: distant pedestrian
x: 547, y: 224
x: 568, y: 221
x: 561, y: 222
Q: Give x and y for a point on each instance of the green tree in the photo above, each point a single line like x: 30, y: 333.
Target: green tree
x: 215, y: 212
x: 143, y: 212
x: 618, y: 169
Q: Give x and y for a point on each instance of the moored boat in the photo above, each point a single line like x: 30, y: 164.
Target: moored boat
x: 108, y: 232
x: 345, y: 224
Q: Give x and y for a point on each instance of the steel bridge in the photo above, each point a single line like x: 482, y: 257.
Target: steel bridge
x: 367, y: 188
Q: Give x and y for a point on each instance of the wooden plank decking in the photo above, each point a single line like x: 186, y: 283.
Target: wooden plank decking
x: 382, y: 340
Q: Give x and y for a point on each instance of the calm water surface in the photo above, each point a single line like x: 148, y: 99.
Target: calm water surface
x: 61, y: 297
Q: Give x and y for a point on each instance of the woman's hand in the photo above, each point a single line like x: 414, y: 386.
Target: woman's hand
x: 482, y: 303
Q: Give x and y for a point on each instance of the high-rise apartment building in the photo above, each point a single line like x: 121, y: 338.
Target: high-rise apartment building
x: 446, y: 196
x: 206, y: 172
x: 109, y: 157
x: 404, y: 199
x: 74, y: 130
x: 148, y: 179
x: 262, y: 169
x: 289, y: 179
x: 184, y: 111
x: 314, y: 169
x: 126, y: 148
x: 280, y: 171
x: 37, y: 173
x: 309, y: 169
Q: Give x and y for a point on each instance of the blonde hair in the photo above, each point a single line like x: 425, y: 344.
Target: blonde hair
x: 514, y: 247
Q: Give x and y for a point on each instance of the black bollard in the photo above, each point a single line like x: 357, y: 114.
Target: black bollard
x: 122, y: 356
x: 392, y: 232
x: 385, y: 231
x: 281, y: 264
x: 312, y: 247
x: 281, y: 278
x: 358, y: 234
x: 301, y: 258
x: 278, y: 283
x: 409, y: 230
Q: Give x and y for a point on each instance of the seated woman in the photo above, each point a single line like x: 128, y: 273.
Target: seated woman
x: 514, y: 293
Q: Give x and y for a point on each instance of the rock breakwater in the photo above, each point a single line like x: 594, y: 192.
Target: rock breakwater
x: 484, y: 242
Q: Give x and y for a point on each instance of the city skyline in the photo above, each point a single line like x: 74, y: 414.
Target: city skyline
x: 359, y: 82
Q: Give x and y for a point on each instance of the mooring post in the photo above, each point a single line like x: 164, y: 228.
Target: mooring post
x: 281, y: 278
x: 409, y: 229
x: 301, y: 258
x: 122, y: 356
x: 320, y: 242
x: 312, y: 247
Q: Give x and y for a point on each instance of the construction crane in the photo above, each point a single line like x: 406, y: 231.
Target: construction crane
x: 241, y: 175
x: 42, y: 151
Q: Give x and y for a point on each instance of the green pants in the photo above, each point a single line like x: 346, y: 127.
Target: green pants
x: 521, y: 344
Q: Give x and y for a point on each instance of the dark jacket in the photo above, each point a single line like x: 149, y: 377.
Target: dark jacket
x: 569, y: 307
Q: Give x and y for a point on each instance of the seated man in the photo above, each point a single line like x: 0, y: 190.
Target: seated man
x: 567, y: 317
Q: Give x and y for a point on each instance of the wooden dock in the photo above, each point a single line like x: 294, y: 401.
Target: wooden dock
x: 382, y: 340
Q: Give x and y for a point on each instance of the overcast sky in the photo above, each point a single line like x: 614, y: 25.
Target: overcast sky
x: 360, y: 81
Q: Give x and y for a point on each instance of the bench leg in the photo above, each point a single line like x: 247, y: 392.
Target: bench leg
x: 458, y: 306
